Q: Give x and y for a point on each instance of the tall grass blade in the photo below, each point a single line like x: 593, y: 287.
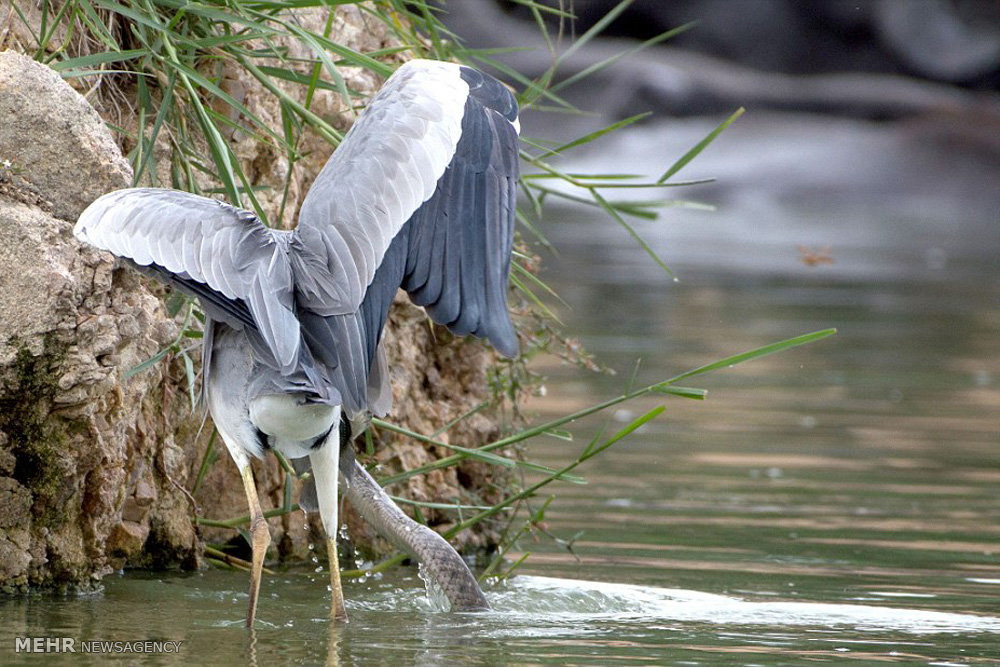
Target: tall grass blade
x: 700, y: 146
x: 765, y: 350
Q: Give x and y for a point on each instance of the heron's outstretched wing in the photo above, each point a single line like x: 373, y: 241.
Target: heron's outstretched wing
x: 458, y: 259
x: 437, y: 146
x: 225, y: 256
x: 420, y: 194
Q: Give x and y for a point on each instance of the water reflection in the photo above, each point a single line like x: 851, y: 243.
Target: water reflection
x: 536, y: 620
x: 859, y: 470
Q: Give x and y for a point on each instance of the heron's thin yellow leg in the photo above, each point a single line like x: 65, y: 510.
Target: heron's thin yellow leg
x: 337, y: 610
x: 260, y: 539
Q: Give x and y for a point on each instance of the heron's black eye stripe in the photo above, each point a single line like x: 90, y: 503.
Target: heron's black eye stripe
x: 318, y: 442
x: 262, y: 440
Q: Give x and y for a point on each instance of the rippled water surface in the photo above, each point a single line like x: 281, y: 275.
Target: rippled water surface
x: 537, y: 620
x: 837, y: 503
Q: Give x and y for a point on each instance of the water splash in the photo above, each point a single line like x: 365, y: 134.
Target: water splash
x: 435, y: 595
x: 571, y: 600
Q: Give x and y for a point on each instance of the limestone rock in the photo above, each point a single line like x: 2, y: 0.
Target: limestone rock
x: 77, y: 161
x: 73, y: 434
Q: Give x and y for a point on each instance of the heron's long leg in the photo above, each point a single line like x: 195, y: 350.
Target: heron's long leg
x: 337, y: 609
x: 326, y: 465
x: 260, y: 539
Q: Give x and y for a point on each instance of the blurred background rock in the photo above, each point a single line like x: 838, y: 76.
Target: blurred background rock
x: 873, y: 59
x: 869, y: 111
x: 953, y: 41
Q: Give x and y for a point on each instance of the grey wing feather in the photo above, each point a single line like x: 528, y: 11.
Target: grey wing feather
x: 458, y: 262
x: 424, y: 182
x: 225, y: 256
x: 348, y: 344
x: 420, y: 194
x: 387, y: 166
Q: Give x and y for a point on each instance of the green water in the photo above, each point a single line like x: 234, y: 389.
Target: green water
x: 537, y: 620
x: 838, y: 503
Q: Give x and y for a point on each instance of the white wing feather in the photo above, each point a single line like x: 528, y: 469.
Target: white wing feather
x: 386, y: 167
x: 203, y: 241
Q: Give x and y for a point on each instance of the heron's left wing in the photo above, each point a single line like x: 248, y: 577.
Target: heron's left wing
x: 420, y: 194
x: 238, y: 268
x: 435, y: 149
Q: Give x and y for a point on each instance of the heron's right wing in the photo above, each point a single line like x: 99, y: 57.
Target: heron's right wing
x: 460, y: 240
x: 225, y: 256
x: 387, y: 166
x: 433, y: 158
x: 419, y: 195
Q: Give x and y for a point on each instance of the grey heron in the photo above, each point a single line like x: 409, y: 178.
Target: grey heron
x: 419, y: 195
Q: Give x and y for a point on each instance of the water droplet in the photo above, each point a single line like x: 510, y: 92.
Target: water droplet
x: 438, y: 600
x: 624, y: 415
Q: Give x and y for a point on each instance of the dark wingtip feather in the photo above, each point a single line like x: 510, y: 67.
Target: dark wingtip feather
x: 505, y: 342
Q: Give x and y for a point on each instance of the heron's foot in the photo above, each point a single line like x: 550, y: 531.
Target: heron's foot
x: 338, y: 613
